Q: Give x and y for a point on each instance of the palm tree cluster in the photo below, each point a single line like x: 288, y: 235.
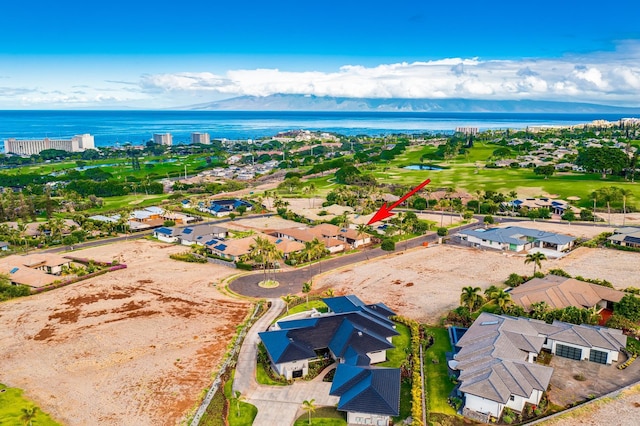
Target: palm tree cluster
x: 264, y: 252
x: 612, y: 194
x: 472, y: 299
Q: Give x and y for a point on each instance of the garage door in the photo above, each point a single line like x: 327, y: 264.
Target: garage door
x: 598, y: 356
x: 568, y: 352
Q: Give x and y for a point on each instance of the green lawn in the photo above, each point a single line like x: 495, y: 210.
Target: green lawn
x: 129, y: 201
x: 324, y: 416
x: 462, y: 173
x: 397, y: 355
x: 318, y: 304
x: 438, y: 384
x: 247, y: 412
x: 11, y: 404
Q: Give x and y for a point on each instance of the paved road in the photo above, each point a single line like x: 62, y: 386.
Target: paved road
x: 291, y: 281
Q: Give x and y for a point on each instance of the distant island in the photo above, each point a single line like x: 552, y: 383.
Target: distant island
x: 284, y: 102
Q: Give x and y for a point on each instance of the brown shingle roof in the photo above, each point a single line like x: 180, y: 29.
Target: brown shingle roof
x: 560, y: 292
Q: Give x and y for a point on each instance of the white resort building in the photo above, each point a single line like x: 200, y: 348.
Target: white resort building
x: 28, y: 147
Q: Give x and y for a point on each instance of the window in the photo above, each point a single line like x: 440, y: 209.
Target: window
x: 569, y: 352
x: 598, y: 356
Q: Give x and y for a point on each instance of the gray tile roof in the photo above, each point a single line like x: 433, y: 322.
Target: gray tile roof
x: 517, y: 235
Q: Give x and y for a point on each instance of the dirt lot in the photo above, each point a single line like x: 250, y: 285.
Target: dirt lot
x: 425, y: 283
x: 132, y: 347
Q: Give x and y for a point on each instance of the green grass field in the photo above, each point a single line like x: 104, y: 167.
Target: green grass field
x: 323, y: 416
x: 11, y: 404
x: 438, y: 384
x: 318, y: 304
x: 397, y: 355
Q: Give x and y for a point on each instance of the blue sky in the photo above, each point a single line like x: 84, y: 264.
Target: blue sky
x: 71, y: 54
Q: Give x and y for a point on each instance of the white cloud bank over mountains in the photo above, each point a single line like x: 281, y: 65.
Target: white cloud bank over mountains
x: 611, y: 78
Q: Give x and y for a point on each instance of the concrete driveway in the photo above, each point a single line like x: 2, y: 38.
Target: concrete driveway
x: 277, y: 405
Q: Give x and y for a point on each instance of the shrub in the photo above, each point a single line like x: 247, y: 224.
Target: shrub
x: 442, y: 231
x: 488, y: 219
x: 559, y: 272
x: 244, y: 266
x: 514, y: 280
x: 188, y: 257
x: 388, y: 245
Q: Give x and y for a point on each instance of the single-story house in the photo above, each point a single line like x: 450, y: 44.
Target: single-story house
x: 168, y: 235
x: 628, y: 236
x: 4, y: 246
x: 355, y: 335
x: 178, y: 218
x: 496, y: 358
x: 308, y: 234
x: 560, y: 292
x: 516, y: 238
x: 200, y: 234
x: 558, y: 207
x: 220, y: 208
x: 348, y: 235
x: 34, y: 270
x: 233, y: 249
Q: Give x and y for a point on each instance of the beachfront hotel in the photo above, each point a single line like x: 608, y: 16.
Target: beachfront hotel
x: 202, y: 138
x: 28, y: 147
x: 163, y: 139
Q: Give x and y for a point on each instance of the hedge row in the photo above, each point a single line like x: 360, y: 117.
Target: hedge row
x: 416, y: 380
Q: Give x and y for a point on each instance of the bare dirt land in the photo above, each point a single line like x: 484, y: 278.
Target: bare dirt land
x: 262, y: 224
x: 621, y: 410
x: 425, y: 283
x: 132, y: 347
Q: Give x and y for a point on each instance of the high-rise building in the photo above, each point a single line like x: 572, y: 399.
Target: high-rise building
x: 203, y: 138
x: 163, y: 139
x: 77, y: 143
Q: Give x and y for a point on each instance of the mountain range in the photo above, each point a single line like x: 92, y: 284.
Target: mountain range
x: 283, y: 102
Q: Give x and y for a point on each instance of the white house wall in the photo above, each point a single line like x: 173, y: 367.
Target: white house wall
x: 166, y: 239
x: 355, y: 418
x: 482, y: 405
x: 285, y: 369
x: 376, y: 357
x: 519, y: 401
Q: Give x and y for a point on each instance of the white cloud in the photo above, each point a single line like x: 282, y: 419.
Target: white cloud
x: 601, y: 77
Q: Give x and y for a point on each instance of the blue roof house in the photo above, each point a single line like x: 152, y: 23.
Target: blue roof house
x: 166, y: 234
x: 356, y: 335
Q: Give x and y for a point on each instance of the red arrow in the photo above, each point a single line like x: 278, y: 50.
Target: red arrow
x: 385, y: 211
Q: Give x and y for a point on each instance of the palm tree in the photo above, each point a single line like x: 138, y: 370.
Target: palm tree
x: 444, y: 204
x: 287, y: 299
x: 262, y: 251
x: 471, y: 297
x: 28, y: 414
x: 306, y: 289
x: 343, y: 220
x: 624, y: 193
x: 329, y: 292
x: 535, y: 258
x: 239, y: 397
x: 501, y: 298
x: 539, y: 310
x: 609, y: 194
x: 22, y: 229
x: 309, y: 406
x: 312, y: 192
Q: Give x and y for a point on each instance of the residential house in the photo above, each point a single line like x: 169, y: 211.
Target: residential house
x: 4, y: 246
x: 234, y: 249
x: 348, y: 235
x: 34, y: 270
x: 308, y: 234
x: 355, y: 335
x: 627, y: 237
x: 168, y: 235
x: 560, y: 292
x: 220, y: 208
x: 495, y: 358
x: 516, y: 238
x: 201, y: 234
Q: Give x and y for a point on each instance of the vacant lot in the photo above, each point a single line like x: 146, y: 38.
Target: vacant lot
x: 132, y: 347
x: 425, y: 283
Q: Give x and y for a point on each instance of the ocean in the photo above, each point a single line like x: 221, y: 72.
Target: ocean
x: 112, y: 128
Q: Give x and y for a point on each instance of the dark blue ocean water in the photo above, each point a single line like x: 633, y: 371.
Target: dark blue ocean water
x: 118, y: 127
